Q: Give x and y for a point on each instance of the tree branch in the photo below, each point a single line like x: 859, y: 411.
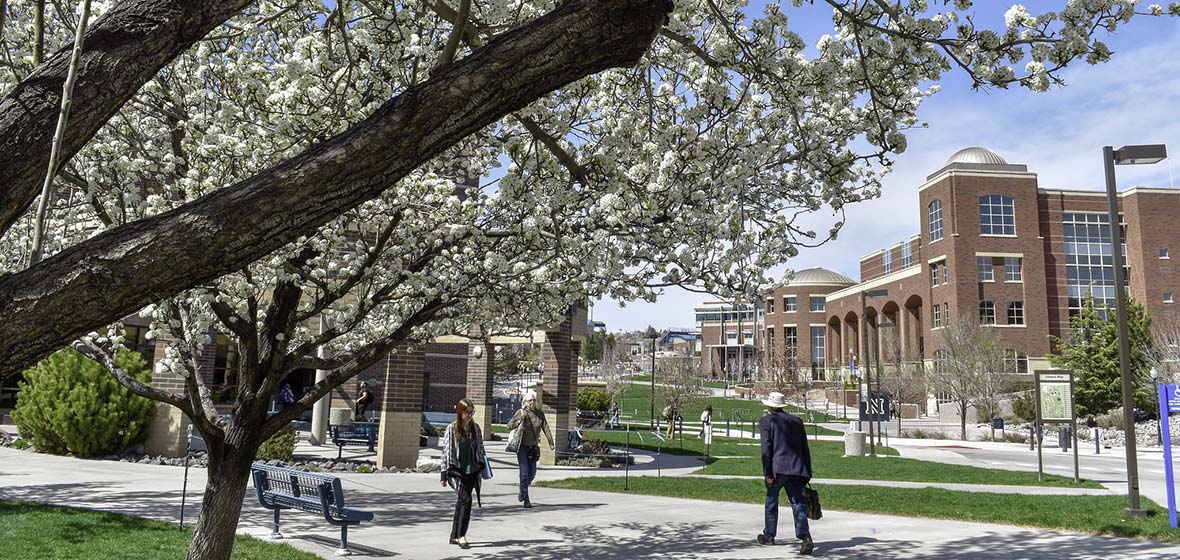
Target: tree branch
x: 92, y: 350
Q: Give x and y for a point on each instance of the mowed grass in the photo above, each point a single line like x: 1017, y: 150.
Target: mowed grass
x: 635, y: 405
x: 36, y: 531
x: 828, y: 460
x: 1088, y: 514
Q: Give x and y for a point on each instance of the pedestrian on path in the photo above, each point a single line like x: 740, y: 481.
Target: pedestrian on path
x: 463, y: 461
x: 364, y: 398
x: 286, y: 397
x: 534, y: 424
x: 614, y: 417
x: 706, y: 420
x: 786, y: 463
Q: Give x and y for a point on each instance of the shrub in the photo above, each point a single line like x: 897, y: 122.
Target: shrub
x: 280, y: 446
x: 21, y: 444
x: 1024, y: 406
x: 364, y: 468
x: 68, y: 403
x: 593, y: 399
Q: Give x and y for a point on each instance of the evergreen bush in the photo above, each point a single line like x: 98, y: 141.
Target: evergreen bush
x: 69, y: 403
x: 593, y: 399
x: 280, y: 446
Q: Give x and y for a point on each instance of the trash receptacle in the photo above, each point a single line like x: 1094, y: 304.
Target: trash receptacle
x: 1063, y: 438
x: 854, y: 444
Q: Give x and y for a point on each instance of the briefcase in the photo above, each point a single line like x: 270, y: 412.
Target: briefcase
x: 811, y: 499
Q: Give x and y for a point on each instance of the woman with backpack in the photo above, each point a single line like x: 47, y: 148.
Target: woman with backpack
x: 463, y: 464
x: 532, y: 424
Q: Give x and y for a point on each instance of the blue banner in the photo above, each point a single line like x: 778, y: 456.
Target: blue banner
x: 1169, y: 402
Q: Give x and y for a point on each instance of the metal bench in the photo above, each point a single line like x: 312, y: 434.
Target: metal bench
x: 357, y: 432
x: 281, y: 488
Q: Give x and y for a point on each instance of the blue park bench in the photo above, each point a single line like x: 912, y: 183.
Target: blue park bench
x: 357, y: 432
x: 281, y: 488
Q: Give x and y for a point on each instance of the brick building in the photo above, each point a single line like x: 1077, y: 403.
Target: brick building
x: 992, y: 244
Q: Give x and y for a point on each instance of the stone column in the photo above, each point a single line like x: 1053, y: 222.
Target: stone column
x: 401, y: 410
x: 319, y: 411
x: 480, y: 382
x: 903, y: 332
x: 168, y: 431
x: 561, y: 380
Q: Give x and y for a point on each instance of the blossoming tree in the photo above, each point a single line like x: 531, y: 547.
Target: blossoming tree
x: 406, y: 168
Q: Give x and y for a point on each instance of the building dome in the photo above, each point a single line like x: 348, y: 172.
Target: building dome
x: 976, y: 155
x: 818, y: 277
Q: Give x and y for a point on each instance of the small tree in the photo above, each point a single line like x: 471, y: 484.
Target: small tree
x: 969, y: 368
x: 904, y: 380
x: 681, y: 385
x: 1092, y: 353
x: 70, y: 404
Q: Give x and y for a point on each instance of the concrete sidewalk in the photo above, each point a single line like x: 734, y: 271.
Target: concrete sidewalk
x: 414, y: 512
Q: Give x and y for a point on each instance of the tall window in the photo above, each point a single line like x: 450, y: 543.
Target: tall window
x: 791, y: 340
x: 934, y: 274
x: 907, y: 255
x: 770, y: 340
x: 818, y: 336
x: 1016, y: 313
x: 770, y: 305
x: 986, y: 269
x: 935, y: 221
x: 137, y: 341
x: 997, y: 215
x: 1015, y: 361
x: 817, y: 304
x: 789, y: 304
x: 1089, y: 265
x: 987, y: 312
x: 225, y: 370
x: 937, y: 315
x: 946, y: 272
x: 1012, y: 269
x: 887, y: 260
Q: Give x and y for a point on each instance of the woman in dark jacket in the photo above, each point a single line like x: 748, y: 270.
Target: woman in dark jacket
x: 463, y: 461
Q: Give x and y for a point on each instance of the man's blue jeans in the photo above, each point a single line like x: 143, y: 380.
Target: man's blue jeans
x: 528, y: 471
x: 794, y: 486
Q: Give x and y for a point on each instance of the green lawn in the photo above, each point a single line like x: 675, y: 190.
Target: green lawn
x: 1089, y: 514
x: 636, y: 405
x: 647, y: 378
x: 35, y: 531
x: 691, y: 444
x: 827, y: 458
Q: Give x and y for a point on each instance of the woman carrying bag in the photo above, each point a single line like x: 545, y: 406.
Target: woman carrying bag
x: 464, y: 463
x: 532, y: 424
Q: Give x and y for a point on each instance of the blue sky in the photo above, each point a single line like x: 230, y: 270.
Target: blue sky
x: 1133, y: 99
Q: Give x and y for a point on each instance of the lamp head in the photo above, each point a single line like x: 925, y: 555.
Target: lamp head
x: 1140, y: 154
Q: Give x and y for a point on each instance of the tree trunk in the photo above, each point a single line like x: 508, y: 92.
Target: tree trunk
x: 124, y: 49
x: 120, y: 271
x: 229, y: 469
x: 963, y: 421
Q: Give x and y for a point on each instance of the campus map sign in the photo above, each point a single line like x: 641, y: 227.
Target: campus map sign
x: 1169, y: 404
x: 1056, y: 394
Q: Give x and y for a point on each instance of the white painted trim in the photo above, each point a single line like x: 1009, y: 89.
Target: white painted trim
x: 1102, y: 193
x: 936, y: 259
x: 857, y: 288
x: 874, y: 253
x: 817, y: 324
x: 1007, y: 326
x: 454, y: 356
x: 990, y: 254
x: 1013, y: 236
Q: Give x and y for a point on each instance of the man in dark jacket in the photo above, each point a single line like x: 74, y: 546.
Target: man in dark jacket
x: 786, y: 463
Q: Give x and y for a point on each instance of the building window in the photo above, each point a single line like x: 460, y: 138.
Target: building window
x: 770, y: 305
x: 907, y: 255
x: 1164, y: 253
x: 1089, y: 265
x: 997, y: 215
x: 887, y: 260
x: 1167, y: 297
x: 225, y: 370
x: 1015, y: 361
x: 1012, y: 269
x: 987, y: 312
x: 934, y: 275
x: 986, y: 269
x: 817, y: 304
x: 791, y: 339
x: 731, y: 338
x: 946, y: 272
x: 136, y: 340
x: 789, y: 305
x: 818, y: 342
x: 1016, y: 313
x: 935, y: 221
x: 937, y: 316
x: 770, y: 340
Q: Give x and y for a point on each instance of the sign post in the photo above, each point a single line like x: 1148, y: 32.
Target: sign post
x: 1054, y: 392
x: 1169, y: 403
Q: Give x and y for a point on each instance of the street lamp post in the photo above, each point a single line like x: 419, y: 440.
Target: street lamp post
x: 1126, y: 155
x: 1159, y: 413
x: 864, y: 295
x: 653, y: 335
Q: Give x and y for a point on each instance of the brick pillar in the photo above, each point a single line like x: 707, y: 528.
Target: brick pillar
x: 401, y: 410
x: 168, y: 431
x: 480, y: 356
x: 561, y: 380
x: 903, y: 332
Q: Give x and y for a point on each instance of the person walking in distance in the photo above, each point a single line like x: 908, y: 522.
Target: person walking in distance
x: 463, y: 461
x: 533, y: 424
x: 786, y: 463
x: 364, y: 398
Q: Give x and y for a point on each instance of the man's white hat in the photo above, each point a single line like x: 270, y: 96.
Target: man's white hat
x: 775, y: 400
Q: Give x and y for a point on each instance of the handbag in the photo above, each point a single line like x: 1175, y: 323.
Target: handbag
x: 811, y: 500
x: 486, y: 473
x: 514, y: 439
